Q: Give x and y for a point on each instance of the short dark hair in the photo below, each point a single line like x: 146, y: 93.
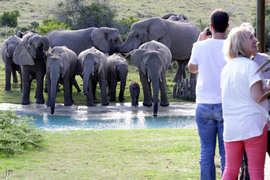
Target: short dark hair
x: 219, y: 20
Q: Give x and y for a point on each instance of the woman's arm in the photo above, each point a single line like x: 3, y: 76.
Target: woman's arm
x: 257, y: 92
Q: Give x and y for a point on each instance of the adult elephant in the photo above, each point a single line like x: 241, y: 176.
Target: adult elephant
x: 11, y: 68
x: 116, y: 71
x: 30, y: 54
x: 105, y: 39
x: 61, y: 67
x: 177, y: 36
x: 174, y: 17
x: 92, y: 63
x: 152, y: 59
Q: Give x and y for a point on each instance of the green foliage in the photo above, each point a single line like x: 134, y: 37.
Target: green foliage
x: 78, y: 14
x: 124, y: 25
x: 51, y: 24
x: 16, y: 135
x: 9, y: 18
x: 201, y: 24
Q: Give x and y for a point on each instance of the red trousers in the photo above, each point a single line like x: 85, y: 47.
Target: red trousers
x: 255, y: 148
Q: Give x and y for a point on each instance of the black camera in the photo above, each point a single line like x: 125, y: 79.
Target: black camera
x: 208, y: 32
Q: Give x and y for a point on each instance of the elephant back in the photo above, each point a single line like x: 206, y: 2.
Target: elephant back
x: 76, y: 40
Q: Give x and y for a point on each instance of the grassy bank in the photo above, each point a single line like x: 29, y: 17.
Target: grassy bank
x: 109, y: 154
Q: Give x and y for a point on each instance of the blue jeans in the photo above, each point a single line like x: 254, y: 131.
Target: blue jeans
x: 210, y: 126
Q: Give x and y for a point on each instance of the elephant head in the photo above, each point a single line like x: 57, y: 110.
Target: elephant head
x: 60, y: 66
x: 106, y: 39
x: 144, y: 31
x: 33, y: 46
x: 152, y: 59
x: 93, y: 69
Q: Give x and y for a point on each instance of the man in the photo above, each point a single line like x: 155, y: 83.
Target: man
x: 207, y: 59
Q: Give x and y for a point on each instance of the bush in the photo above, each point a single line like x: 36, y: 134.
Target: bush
x: 9, y: 18
x: 16, y: 135
x: 51, y: 24
x: 124, y: 25
x: 79, y: 15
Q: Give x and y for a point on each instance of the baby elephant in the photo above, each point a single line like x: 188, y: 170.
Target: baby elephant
x: 134, y: 89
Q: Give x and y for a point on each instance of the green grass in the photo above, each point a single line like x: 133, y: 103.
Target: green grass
x: 109, y: 154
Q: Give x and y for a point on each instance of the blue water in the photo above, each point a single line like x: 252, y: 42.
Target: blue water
x: 113, y: 121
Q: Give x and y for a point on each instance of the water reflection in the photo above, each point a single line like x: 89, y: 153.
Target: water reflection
x: 114, y: 120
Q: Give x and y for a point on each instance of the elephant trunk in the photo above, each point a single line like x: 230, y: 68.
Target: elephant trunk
x: 54, y: 76
x: 86, y: 76
x: 155, y: 89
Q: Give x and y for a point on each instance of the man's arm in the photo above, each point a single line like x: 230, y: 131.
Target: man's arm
x: 193, y: 68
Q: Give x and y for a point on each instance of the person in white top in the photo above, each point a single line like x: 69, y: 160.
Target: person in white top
x: 245, y: 113
x: 207, y: 59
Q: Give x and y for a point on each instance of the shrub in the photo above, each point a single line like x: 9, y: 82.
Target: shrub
x: 9, y: 18
x: 79, y: 15
x: 51, y: 24
x: 16, y: 135
x: 124, y: 25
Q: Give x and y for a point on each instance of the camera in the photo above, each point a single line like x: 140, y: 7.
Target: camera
x: 208, y: 32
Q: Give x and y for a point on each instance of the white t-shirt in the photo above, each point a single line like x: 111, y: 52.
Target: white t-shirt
x: 209, y: 57
x: 243, y: 117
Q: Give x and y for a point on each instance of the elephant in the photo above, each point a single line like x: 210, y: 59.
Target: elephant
x: 7, y: 51
x: 152, y: 60
x: 116, y: 71
x: 62, y: 64
x: 92, y: 69
x: 30, y: 54
x: 134, y: 90
x: 177, y: 36
x: 174, y: 17
x: 105, y: 39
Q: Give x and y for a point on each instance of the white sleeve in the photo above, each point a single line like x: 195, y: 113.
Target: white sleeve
x: 252, y: 76
x: 194, y: 54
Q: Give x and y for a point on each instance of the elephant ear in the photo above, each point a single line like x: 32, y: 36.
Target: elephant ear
x: 100, y: 40
x: 4, y: 52
x: 21, y: 56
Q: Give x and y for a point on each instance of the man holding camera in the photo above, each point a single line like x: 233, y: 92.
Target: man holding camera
x: 207, y: 59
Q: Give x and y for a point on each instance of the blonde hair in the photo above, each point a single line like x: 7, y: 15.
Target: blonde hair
x: 235, y: 43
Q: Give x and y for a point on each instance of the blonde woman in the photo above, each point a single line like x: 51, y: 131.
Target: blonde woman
x: 244, y: 111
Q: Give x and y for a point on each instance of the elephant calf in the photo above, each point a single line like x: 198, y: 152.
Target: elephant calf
x: 134, y: 90
x: 152, y: 59
x: 116, y: 70
x: 61, y: 67
x: 92, y: 63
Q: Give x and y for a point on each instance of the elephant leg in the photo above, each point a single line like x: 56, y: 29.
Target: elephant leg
x: 8, y: 70
x: 103, y: 90
x: 94, y: 88
x: 147, y: 95
x: 25, y: 86
x: 76, y: 85
x: 39, y: 88
x: 67, y: 92
x: 14, y: 73
x: 90, y: 94
x: 113, y: 90
x: 163, y: 92
x: 122, y: 91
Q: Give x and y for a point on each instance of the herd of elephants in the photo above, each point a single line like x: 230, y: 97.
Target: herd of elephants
x: 98, y: 55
